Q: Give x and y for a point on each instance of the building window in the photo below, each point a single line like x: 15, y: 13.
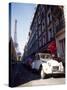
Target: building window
x: 44, y: 38
x: 39, y: 18
x: 42, y: 15
x: 50, y: 34
x: 43, y: 25
x: 40, y: 43
x: 36, y: 36
x: 49, y: 18
x: 39, y: 30
x: 36, y: 26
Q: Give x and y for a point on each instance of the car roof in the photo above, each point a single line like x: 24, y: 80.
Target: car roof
x: 43, y: 54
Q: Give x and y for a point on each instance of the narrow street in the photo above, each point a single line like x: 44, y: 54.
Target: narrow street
x: 25, y: 77
x: 43, y: 82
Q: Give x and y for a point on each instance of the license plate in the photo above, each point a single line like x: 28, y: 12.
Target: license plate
x: 55, y: 68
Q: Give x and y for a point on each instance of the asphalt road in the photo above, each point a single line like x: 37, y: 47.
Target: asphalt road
x: 22, y: 76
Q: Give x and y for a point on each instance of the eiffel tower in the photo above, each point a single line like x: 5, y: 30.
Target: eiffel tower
x: 15, y: 36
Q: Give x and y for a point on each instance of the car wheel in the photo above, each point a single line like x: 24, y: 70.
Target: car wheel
x: 42, y: 74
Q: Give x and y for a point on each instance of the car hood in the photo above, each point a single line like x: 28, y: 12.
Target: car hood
x: 53, y: 62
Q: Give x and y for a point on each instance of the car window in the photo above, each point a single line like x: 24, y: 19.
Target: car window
x: 37, y: 57
x: 43, y: 56
x: 48, y: 56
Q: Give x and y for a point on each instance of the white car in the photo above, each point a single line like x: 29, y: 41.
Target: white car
x: 46, y: 65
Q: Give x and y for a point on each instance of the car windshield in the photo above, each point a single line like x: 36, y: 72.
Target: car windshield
x: 42, y: 56
x: 45, y: 56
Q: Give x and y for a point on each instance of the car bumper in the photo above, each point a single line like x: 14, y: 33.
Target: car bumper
x: 56, y: 72
x: 60, y: 74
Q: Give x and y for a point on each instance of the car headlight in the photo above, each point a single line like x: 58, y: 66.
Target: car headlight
x: 61, y: 66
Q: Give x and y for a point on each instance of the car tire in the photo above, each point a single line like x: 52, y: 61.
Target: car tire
x: 42, y: 74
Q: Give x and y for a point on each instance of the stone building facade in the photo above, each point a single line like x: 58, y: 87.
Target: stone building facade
x: 43, y: 30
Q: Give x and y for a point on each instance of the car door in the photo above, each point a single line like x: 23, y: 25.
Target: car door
x: 37, y: 64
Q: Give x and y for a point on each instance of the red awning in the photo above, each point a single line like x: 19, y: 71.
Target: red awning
x: 52, y: 47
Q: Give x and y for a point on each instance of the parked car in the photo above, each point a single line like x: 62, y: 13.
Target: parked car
x: 46, y: 65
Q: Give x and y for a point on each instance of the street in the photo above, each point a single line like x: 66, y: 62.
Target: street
x: 43, y: 82
x: 25, y: 77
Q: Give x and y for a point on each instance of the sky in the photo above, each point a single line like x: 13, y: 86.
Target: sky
x: 23, y: 13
